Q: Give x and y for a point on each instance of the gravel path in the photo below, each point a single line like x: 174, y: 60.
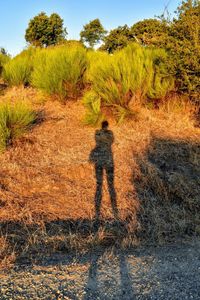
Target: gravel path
x: 168, y: 272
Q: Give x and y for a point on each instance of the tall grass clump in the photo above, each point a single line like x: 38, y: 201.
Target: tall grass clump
x: 15, y: 119
x: 160, y: 81
x: 92, y: 102
x: 95, y: 58
x: 134, y: 74
x: 18, y: 70
x: 3, y: 60
x: 60, y: 70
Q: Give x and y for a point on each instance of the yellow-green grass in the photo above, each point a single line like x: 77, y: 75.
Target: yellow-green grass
x: 17, y: 71
x: 15, y: 119
x: 60, y: 70
x: 134, y: 74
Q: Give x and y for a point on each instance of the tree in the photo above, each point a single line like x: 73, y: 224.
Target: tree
x: 3, y: 51
x: 117, y: 39
x: 92, y: 33
x: 187, y: 24
x: 184, y: 47
x: 4, y: 58
x: 146, y: 32
x: 45, y: 31
x: 150, y: 31
x: 180, y: 38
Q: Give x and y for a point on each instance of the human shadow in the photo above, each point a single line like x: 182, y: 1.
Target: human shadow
x: 94, y: 288
x: 140, y: 273
x: 91, y: 288
x: 102, y: 158
x: 125, y: 277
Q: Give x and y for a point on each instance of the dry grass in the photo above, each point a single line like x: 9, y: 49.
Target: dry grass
x: 47, y: 185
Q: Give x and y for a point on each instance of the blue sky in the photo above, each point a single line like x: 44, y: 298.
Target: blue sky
x: 15, y: 15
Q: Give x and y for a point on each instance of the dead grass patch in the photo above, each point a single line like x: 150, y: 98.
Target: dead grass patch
x: 47, y: 185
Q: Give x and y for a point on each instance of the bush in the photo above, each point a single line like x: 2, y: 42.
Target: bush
x: 184, y: 59
x: 18, y: 70
x: 3, y: 60
x: 160, y: 81
x: 15, y: 118
x: 60, y: 70
x: 134, y: 74
x: 93, y: 104
x: 184, y: 48
x: 94, y: 58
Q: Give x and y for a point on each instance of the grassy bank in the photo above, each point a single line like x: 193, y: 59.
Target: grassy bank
x: 47, y: 185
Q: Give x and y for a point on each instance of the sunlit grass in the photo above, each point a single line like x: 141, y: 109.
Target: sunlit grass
x: 14, y: 121
x: 134, y: 74
x: 60, y: 70
x: 18, y: 70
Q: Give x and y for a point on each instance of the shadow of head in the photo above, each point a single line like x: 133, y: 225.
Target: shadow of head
x: 102, y: 153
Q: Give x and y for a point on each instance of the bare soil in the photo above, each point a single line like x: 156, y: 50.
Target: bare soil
x: 167, y: 272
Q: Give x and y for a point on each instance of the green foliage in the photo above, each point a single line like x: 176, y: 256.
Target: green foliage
x: 147, y: 32
x: 3, y: 51
x: 72, y: 43
x: 117, y: 39
x: 181, y: 39
x: 184, y: 46
x: 150, y: 31
x: 93, y: 104
x: 3, y: 60
x: 94, y: 58
x: 15, y: 119
x: 60, y: 70
x: 92, y: 32
x: 45, y: 31
x: 128, y: 76
x: 160, y: 80
x: 18, y: 70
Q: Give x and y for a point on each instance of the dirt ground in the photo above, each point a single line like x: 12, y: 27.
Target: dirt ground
x: 47, y: 207
x: 167, y: 272
x: 47, y: 175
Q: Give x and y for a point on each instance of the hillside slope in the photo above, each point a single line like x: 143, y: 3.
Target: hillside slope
x: 47, y: 182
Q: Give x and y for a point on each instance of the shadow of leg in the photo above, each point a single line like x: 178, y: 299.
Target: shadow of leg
x: 91, y: 289
x: 126, y: 285
x: 111, y: 188
x: 98, y: 194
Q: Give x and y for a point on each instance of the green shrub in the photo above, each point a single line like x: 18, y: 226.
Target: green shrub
x: 93, y: 104
x: 18, y: 70
x: 134, y: 74
x: 94, y: 58
x: 3, y: 60
x: 60, y: 70
x: 15, y: 118
x: 160, y: 81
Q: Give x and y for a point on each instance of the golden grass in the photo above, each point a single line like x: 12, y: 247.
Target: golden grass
x: 47, y: 185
